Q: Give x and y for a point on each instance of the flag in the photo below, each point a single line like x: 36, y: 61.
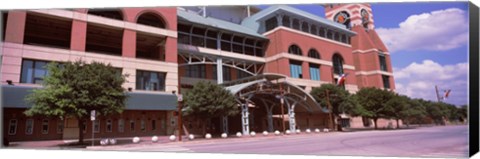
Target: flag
x: 341, y: 80
x: 447, y: 92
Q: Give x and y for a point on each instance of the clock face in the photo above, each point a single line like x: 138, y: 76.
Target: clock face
x: 365, y: 16
x: 341, y: 18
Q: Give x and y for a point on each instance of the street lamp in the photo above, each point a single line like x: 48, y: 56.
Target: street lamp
x: 179, y: 114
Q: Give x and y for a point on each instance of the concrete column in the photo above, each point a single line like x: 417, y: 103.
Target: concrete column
x: 15, y: 28
x: 280, y: 20
x: 291, y: 115
x: 78, y: 36
x: 219, y: 71
x: 269, y: 115
x: 245, y: 125
x: 129, y: 43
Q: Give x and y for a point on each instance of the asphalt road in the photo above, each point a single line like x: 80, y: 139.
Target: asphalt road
x: 439, y: 141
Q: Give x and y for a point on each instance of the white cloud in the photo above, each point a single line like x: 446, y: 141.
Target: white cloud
x: 418, y: 80
x: 435, y: 31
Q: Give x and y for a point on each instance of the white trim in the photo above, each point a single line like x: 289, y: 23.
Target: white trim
x: 305, y: 59
x: 305, y: 34
x: 10, y: 125
x: 366, y: 73
x: 368, y: 51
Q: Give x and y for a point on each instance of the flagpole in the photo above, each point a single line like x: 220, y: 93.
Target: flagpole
x: 436, y: 91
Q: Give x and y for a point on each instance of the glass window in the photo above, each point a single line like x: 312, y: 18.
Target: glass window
x: 294, y: 49
x: 337, y: 64
x: 296, y: 69
x: 12, y: 127
x: 315, y: 72
x: 109, y: 125
x: 121, y: 125
x: 195, y: 71
x: 271, y: 24
x: 60, y: 126
x: 386, y: 81
x: 305, y: 27
x: 84, y: 126
x: 45, y: 126
x: 242, y: 74
x: 313, y: 30
x: 96, y: 126
x: 33, y: 71
x: 226, y: 73
x: 313, y: 54
x: 383, y: 62
x: 152, y: 81
x: 286, y: 21
x: 296, y: 24
x: 154, y: 124
x: 142, y: 125
x: 29, y: 126
x: 132, y: 125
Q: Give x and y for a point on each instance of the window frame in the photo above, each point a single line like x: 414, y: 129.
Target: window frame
x: 45, y: 124
x: 14, y: 128
x: 32, y: 125
x: 108, y: 125
x: 60, y: 126
x: 121, y: 125
x: 141, y: 74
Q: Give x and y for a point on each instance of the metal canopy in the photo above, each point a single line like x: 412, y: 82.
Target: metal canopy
x: 272, y: 85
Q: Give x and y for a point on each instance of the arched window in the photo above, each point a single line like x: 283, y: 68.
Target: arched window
x: 313, y: 54
x: 343, y: 18
x: 286, y: 21
x: 107, y: 13
x: 296, y: 24
x: 151, y: 19
x: 365, y: 18
x: 337, y: 64
x: 294, y: 49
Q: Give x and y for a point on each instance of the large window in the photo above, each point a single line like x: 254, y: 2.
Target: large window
x: 386, y: 81
x: 33, y: 71
x: 313, y: 54
x: 152, y: 81
x: 109, y: 125
x: 12, y: 127
x: 154, y: 124
x: 383, y: 62
x: 96, y: 126
x: 29, y: 126
x: 337, y: 64
x: 195, y: 71
x: 296, y: 69
x: 271, y: 24
x: 45, y: 126
x: 294, y: 49
x: 226, y: 73
x: 121, y: 125
x: 132, y: 125
x: 315, y: 72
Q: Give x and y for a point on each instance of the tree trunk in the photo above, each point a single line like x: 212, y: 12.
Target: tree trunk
x: 80, y: 129
x: 375, y: 123
x: 204, y: 125
x: 398, y: 126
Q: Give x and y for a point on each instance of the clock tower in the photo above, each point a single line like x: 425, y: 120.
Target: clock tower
x: 371, y: 57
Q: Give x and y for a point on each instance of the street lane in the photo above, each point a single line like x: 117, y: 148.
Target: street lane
x: 440, y: 141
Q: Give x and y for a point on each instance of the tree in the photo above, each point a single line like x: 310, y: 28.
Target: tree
x: 73, y: 89
x: 414, y: 111
x: 340, y: 100
x: 463, y: 112
x: 397, y: 107
x: 207, y: 100
x: 373, y: 101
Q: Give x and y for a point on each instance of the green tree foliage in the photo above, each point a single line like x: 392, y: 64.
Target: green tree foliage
x: 397, y: 107
x: 374, y: 103
x: 73, y: 89
x: 338, y: 98
x: 207, y: 100
x: 463, y: 113
x: 415, y: 112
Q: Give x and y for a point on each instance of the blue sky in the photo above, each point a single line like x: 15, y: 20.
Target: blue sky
x: 427, y: 43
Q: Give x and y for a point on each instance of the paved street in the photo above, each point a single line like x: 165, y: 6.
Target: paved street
x: 440, y: 141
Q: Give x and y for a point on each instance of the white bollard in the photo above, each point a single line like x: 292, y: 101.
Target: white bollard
x: 287, y: 132
x: 239, y: 134
x: 154, y: 139
x: 172, y: 138
x: 308, y: 131
x: 191, y: 137
x: 112, y: 141
x: 265, y: 133
x: 136, y: 140
x: 224, y: 135
x: 277, y: 132
x: 298, y: 131
x: 325, y: 130
x: 104, y: 142
x: 317, y: 130
x: 253, y: 133
x: 208, y: 136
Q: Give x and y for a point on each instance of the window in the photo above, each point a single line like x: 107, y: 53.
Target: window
x: 121, y: 125
x: 242, y: 74
x: 296, y: 24
x: 142, y: 125
x: 12, y: 127
x: 96, y: 126
x: 45, y: 126
x: 294, y: 49
x: 313, y: 54
x: 286, y: 21
x: 315, y: 72
x: 313, y: 30
x: 271, y: 23
x: 29, y: 126
x: 305, y: 27
x: 296, y: 69
x: 109, y: 125
x: 152, y: 81
x: 383, y: 62
x: 337, y: 64
x: 33, y: 71
x: 60, y: 126
x: 321, y: 32
x: 154, y: 124
x: 195, y: 71
x: 84, y: 126
x: 132, y: 125
x: 386, y: 81
x: 226, y: 73
x: 151, y: 19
